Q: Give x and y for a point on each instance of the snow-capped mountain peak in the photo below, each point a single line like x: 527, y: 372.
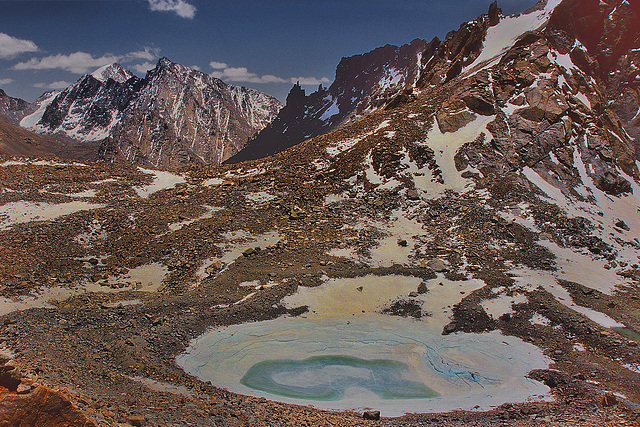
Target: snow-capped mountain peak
x: 174, y: 115
x: 113, y: 71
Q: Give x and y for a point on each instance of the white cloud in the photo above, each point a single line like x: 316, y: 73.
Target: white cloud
x: 77, y: 62
x: 218, y: 65
x: 195, y: 67
x: 148, y: 54
x: 11, y: 47
x: 5, y: 81
x: 144, y: 67
x: 309, y: 80
x: 83, y: 62
x: 180, y: 7
x: 243, y: 75
x: 61, y: 84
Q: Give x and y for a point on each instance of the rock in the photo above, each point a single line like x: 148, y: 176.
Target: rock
x: 448, y: 122
x: 404, y: 308
x: 449, y: 329
x: 544, y: 103
x: 613, y: 184
x: 413, y: 294
x: 248, y: 252
x: 137, y: 421
x: 296, y: 213
x: 609, y: 399
x: 23, y: 389
x: 422, y: 288
x: 413, y: 195
x: 479, y: 102
x: 621, y: 224
x: 43, y: 407
x: 371, y: 415
x: 545, y: 236
x: 10, y: 377
x: 215, y: 267
x: 359, y: 288
x: 505, y: 317
x: 403, y: 243
x: 437, y: 265
x: 494, y: 14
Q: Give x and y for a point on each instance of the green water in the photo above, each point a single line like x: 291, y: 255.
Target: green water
x: 326, y: 378
x: 628, y: 333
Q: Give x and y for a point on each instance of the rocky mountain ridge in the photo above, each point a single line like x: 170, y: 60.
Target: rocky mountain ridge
x: 363, y: 84
x: 13, y: 109
x: 390, y: 75
x: 175, y: 115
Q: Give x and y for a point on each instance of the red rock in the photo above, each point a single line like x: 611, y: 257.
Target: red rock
x: 42, y: 407
x: 609, y: 399
x: 137, y: 421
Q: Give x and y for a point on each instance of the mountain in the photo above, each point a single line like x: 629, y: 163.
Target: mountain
x: 391, y: 75
x: 363, y: 84
x: 175, y: 115
x: 13, y: 109
x: 17, y: 141
x: 182, y: 116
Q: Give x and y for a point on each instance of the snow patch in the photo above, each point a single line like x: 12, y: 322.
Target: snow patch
x: 446, y: 146
x: 331, y: 111
x: 162, y: 180
x: 501, y: 37
x: 20, y: 212
x: 31, y: 121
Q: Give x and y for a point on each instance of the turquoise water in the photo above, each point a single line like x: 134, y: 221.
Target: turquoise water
x: 628, y: 333
x: 345, y: 355
x: 326, y: 378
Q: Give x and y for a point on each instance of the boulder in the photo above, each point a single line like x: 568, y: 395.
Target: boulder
x: 609, y: 399
x: 371, y: 415
x: 137, y: 420
x: 448, y: 122
x: 544, y: 103
x: 437, y: 265
x: 413, y: 195
x: 479, y: 102
x: 42, y: 407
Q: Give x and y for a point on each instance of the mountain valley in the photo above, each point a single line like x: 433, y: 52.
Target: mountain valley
x: 447, y: 235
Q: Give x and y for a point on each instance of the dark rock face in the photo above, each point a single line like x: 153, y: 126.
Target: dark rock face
x: 363, y: 83
x: 23, y: 402
x: 381, y: 79
x: 494, y: 14
x: 90, y: 108
x: 12, y: 109
x: 174, y: 116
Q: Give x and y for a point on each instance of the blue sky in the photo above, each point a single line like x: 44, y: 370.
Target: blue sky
x: 263, y: 44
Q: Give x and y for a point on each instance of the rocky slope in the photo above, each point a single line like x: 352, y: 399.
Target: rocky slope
x: 505, y: 187
x: 598, y: 38
x: 175, y: 115
x: 13, y: 109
